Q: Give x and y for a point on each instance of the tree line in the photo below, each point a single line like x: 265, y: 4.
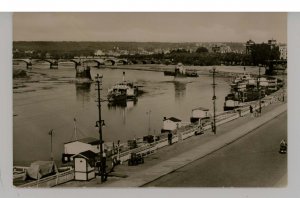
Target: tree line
x: 259, y: 54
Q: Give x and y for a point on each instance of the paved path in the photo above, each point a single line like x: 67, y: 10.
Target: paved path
x: 173, y: 157
x: 251, y: 161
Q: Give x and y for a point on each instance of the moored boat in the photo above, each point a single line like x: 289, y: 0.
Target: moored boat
x: 181, y: 71
x: 246, y: 88
x: 122, y: 91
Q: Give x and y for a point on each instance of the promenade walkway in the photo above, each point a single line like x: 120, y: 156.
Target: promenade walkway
x: 170, y: 158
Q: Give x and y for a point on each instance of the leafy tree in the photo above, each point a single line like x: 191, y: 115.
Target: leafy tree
x: 201, y: 50
x: 261, y: 53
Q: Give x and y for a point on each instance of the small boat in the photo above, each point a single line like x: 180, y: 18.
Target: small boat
x: 193, y: 74
x: 180, y: 71
x: 122, y: 91
x: 117, y: 95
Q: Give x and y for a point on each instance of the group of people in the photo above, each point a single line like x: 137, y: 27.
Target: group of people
x: 255, y: 113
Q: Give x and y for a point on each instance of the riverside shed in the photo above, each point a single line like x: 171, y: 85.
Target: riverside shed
x: 84, y: 165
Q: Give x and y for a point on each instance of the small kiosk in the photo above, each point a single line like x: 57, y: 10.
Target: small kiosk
x: 199, y: 113
x: 84, y: 163
x: 170, y: 124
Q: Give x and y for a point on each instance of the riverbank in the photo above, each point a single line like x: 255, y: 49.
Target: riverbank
x: 170, y: 158
x: 201, y: 70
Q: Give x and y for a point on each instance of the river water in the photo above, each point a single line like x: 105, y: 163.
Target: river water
x: 51, y: 100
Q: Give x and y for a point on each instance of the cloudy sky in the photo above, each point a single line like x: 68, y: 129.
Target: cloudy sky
x: 161, y: 27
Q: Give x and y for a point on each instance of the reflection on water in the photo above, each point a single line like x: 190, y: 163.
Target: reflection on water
x: 122, y: 107
x: 122, y: 104
x: 83, y: 91
x: 123, y: 121
x: 180, y: 90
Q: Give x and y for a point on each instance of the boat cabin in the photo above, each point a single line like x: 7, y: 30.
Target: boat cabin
x: 170, y: 124
x: 180, y: 69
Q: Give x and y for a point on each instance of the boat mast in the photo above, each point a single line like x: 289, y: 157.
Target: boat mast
x: 51, y: 135
x: 75, y: 129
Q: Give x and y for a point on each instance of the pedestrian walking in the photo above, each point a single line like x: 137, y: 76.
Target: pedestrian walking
x: 212, y: 126
x: 170, y: 136
x: 251, y: 110
x: 258, y: 112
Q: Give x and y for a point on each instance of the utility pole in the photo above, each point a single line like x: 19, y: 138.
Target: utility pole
x: 259, y: 89
x: 99, y: 124
x: 149, y: 128
x: 283, y: 84
x: 214, y: 129
x: 51, y: 135
x: 75, y: 129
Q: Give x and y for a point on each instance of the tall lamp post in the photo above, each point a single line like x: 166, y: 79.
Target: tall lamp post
x: 214, y: 128
x: 259, y: 89
x: 149, y: 114
x: 99, y: 124
x: 283, y: 84
x: 51, y: 135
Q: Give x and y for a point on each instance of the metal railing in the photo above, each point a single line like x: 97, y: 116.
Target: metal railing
x: 53, y: 180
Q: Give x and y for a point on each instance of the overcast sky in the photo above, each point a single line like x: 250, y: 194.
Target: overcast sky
x: 161, y: 27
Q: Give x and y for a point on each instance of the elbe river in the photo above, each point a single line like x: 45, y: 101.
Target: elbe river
x: 51, y: 100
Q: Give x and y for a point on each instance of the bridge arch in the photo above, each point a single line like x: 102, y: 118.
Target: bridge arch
x: 99, y: 62
x: 109, y: 61
x: 122, y: 61
x: 26, y: 61
x: 76, y: 62
x: 53, y: 63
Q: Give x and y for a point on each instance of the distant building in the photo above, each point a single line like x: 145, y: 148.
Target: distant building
x: 272, y: 43
x: 28, y: 51
x: 48, y: 55
x: 225, y: 49
x: 170, y: 124
x: 215, y: 49
x: 283, y: 52
x: 249, y: 45
x: 99, y: 53
x: 221, y: 48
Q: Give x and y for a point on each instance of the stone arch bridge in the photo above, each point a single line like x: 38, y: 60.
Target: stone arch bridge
x: 77, y: 61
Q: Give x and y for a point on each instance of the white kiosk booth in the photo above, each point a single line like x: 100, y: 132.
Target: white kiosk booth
x: 84, y: 163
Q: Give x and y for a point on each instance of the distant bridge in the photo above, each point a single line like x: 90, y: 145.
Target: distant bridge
x: 77, y: 61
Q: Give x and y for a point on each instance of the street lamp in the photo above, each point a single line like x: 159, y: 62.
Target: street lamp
x: 102, y: 123
x: 214, y: 128
x: 149, y: 114
x: 51, y: 135
x: 99, y: 125
x: 259, y: 89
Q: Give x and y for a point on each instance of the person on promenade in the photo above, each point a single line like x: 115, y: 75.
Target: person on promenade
x: 170, y: 136
x: 258, y: 113
x: 251, y: 110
